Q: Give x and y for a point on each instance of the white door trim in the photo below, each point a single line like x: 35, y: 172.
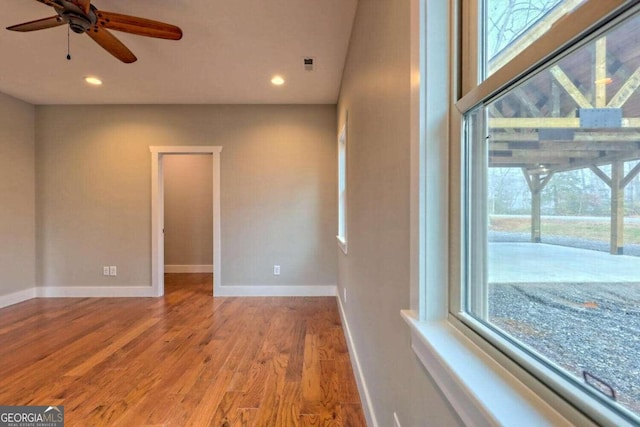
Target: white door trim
x: 157, y: 212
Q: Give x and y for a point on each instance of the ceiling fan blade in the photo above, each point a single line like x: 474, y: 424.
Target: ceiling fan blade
x: 112, y: 45
x: 84, y: 5
x: 52, y: 4
x: 40, y: 24
x: 138, y: 26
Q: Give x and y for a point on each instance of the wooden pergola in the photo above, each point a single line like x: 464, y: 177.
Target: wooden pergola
x: 583, y: 112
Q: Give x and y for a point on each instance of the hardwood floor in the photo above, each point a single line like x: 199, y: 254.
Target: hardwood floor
x: 183, y: 360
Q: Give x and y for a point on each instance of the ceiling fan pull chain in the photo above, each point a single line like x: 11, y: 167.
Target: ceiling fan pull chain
x: 68, y: 43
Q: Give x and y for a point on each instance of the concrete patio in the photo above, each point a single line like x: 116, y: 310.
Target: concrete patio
x: 543, y: 263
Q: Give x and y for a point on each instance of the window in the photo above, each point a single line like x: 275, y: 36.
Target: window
x: 511, y: 26
x: 342, y: 189
x: 550, y: 273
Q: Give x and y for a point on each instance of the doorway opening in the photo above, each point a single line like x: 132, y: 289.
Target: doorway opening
x: 158, y: 155
x: 188, y: 220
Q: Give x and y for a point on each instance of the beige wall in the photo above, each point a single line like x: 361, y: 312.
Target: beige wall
x: 188, y: 209
x: 376, y: 94
x: 278, y: 190
x: 17, y: 195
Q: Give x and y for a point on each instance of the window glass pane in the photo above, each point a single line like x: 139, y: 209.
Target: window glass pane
x: 512, y: 25
x: 553, y: 215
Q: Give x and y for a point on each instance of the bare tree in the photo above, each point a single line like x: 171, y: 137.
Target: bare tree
x: 508, y: 19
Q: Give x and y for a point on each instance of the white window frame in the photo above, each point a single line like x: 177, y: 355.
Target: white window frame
x: 484, y: 384
x: 342, y: 189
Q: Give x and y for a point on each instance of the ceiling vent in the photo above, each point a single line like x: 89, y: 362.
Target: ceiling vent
x: 309, y: 63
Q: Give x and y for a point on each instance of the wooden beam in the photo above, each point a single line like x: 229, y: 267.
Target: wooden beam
x: 601, y: 136
x: 531, y: 160
x: 534, y: 122
x: 625, y: 92
x: 566, y: 146
x: 527, y: 178
x: 545, y: 180
x: 549, y: 122
x: 534, y: 155
x: 555, y: 100
x: 556, y: 167
x: 509, y: 165
x: 579, y: 136
x: 590, y: 146
x: 604, y: 160
x: 569, y: 87
x: 493, y: 110
x: 601, y: 72
x: 632, y: 174
x: 526, y: 101
x: 603, y: 176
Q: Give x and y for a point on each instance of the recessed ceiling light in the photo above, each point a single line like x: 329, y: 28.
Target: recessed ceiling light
x: 93, y: 80
x: 277, y: 80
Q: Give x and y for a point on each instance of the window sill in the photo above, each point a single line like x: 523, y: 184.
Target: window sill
x: 342, y: 243
x: 481, y: 391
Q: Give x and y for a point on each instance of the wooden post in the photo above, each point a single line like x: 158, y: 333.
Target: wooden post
x: 618, y: 182
x: 536, y: 183
x: 535, y: 216
x: 617, y: 208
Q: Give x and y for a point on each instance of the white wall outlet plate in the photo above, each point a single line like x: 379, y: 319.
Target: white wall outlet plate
x: 105, y: 271
x: 113, y: 270
x: 276, y: 270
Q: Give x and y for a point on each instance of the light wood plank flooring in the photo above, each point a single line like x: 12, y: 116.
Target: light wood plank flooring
x: 183, y: 360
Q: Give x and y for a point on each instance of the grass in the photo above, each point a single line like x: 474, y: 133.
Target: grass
x: 592, y: 230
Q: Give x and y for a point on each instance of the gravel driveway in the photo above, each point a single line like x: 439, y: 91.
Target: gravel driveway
x: 580, y: 326
x: 593, y: 327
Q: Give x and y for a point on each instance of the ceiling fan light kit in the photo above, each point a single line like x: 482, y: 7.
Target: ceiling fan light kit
x: 83, y: 17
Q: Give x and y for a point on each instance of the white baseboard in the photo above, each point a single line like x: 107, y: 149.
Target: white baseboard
x: 275, y: 291
x: 188, y: 268
x: 147, y: 291
x: 17, y: 297
x: 94, y: 291
x: 367, y: 405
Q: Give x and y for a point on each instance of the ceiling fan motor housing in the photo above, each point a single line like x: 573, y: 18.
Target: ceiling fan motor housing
x: 79, y: 24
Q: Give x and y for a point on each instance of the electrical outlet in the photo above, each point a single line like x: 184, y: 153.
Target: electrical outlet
x: 113, y: 270
x: 105, y: 271
x: 276, y: 270
x: 344, y: 294
x: 396, y: 422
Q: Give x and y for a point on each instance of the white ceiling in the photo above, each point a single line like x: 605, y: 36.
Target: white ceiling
x: 228, y: 54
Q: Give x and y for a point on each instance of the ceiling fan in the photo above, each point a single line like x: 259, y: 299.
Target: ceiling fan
x: 83, y: 17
